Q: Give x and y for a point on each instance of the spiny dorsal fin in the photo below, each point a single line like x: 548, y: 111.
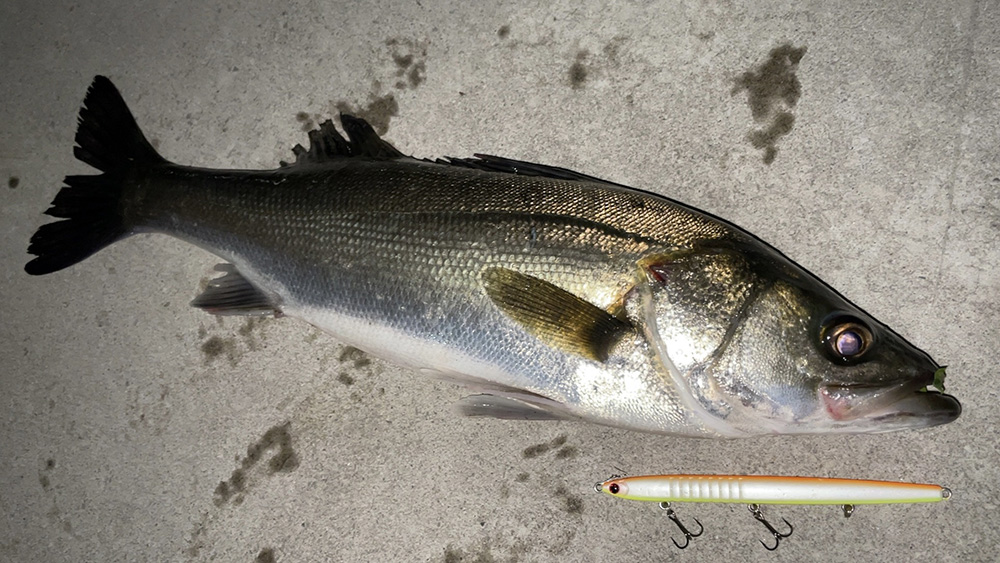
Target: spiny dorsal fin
x: 365, y: 141
x: 326, y: 143
x: 554, y: 315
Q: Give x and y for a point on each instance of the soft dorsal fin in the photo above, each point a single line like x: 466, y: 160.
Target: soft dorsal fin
x: 493, y: 163
x: 326, y: 143
x: 554, y: 315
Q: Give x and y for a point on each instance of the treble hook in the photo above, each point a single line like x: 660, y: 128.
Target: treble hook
x: 755, y: 510
x: 687, y: 533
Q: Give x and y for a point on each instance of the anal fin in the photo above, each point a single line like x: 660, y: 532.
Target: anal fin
x: 233, y: 294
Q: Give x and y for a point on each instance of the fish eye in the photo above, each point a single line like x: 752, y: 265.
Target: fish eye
x: 847, y: 338
x: 613, y: 487
x: 848, y: 343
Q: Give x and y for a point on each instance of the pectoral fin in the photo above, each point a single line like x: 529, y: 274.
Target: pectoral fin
x: 554, y: 315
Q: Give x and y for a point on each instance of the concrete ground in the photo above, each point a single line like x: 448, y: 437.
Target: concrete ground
x: 135, y: 428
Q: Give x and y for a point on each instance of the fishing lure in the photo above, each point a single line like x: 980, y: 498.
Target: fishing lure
x: 756, y: 490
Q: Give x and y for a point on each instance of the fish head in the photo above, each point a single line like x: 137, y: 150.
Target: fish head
x: 762, y: 346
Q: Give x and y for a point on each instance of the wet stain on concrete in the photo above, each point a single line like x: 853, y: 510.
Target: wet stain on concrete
x: 555, y: 444
x: 54, y: 514
x: 453, y: 555
x: 43, y: 477
x: 566, y: 452
x: 351, y: 360
x: 410, y: 59
x: 308, y: 121
x: 773, y: 90
x: 613, y: 49
x: 487, y: 551
x: 409, y: 62
x: 573, y: 504
x: 231, y: 346
x: 587, y: 66
x: 196, y: 542
x: 354, y: 356
x: 379, y: 111
x: 578, y: 71
x: 523, y: 535
x: 216, y: 346
x: 312, y: 336
x: 242, y: 478
x: 246, y: 331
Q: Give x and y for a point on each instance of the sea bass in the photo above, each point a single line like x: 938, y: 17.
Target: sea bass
x: 555, y: 295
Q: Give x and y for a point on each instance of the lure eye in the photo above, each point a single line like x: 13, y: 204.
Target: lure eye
x: 847, y: 339
x: 614, y: 488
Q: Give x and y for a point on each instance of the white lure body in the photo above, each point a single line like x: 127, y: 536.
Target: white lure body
x: 752, y: 489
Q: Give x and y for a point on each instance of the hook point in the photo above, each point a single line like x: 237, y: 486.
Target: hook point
x: 688, y: 534
x: 778, y: 536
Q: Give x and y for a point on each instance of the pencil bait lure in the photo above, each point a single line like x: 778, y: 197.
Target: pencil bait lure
x: 757, y: 490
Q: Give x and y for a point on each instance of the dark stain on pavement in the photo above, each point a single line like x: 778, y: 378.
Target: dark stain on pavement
x: 773, y: 90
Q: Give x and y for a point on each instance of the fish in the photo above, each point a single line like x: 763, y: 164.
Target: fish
x: 551, y: 294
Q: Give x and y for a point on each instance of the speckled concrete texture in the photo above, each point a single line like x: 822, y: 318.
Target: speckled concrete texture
x: 135, y: 428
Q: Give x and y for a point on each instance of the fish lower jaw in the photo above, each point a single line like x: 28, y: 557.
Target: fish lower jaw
x: 923, y: 409
x: 852, y: 402
x: 884, y: 409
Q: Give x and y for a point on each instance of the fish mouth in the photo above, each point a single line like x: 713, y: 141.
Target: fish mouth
x: 905, y: 404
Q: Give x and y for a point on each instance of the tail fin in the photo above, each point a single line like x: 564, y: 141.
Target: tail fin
x: 108, y: 139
